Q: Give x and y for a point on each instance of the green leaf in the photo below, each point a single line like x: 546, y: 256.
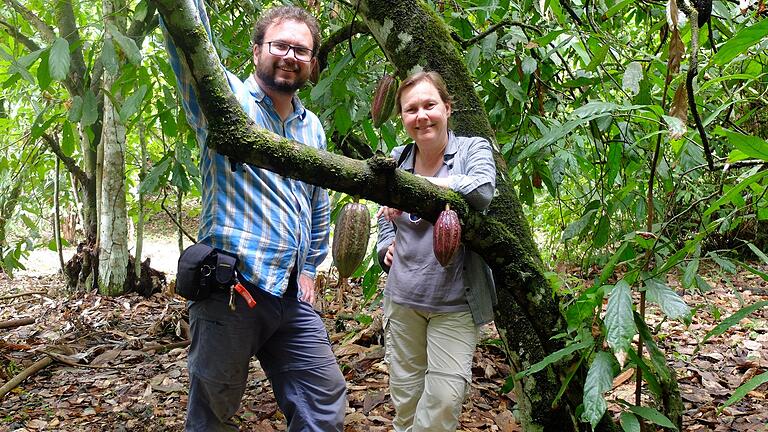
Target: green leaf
x: 529, y: 65
x: 654, y: 416
x: 603, y: 231
x: 554, y: 358
x: 629, y: 422
x: 593, y: 108
x: 615, y: 152
x: 489, y: 46
x: 90, y: 109
x: 671, y: 304
x: 743, y: 389
x: 597, y: 58
x: 58, y: 59
x: 740, y: 42
x: 152, y: 180
x: 67, y: 139
x: 44, y: 72
x: 750, y: 145
x: 732, y: 321
x: 132, y: 102
x: 691, y: 270
x: 109, y: 57
x: 76, y: 110
x: 577, y: 227
x: 126, y: 44
x: 599, y: 380
x: 342, y: 119
x: 618, y: 317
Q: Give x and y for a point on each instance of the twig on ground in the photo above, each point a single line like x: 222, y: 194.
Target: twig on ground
x: 13, y: 296
x: 26, y: 373
x: 170, y: 346
x: 16, y: 323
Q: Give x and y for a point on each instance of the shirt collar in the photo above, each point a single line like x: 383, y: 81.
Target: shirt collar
x: 260, y: 97
x: 450, y: 151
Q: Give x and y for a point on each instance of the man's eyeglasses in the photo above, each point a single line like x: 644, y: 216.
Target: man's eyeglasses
x: 281, y: 49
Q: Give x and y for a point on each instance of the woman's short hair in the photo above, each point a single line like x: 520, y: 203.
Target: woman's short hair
x: 433, y: 77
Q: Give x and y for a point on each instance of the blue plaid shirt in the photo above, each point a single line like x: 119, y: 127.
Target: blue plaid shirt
x: 271, y: 222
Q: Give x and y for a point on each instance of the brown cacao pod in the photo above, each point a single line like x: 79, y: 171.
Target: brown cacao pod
x: 350, y: 238
x: 384, y: 100
x: 446, y: 237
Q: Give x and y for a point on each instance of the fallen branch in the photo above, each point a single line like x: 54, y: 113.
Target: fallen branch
x: 26, y: 373
x: 16, y: 323
x: 61, y: 358
x: 13, y: 296
x: 170, y: 346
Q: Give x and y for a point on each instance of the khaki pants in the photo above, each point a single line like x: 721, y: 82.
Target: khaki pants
x: 430, y: 366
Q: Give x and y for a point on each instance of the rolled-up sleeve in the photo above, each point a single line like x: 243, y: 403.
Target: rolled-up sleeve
x: 479, y: 182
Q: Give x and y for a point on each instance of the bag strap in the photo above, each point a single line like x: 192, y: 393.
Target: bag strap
x: 226, y: 265
x: 406, y: 151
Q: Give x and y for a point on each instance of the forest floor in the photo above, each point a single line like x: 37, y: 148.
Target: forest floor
x: 119, y: 364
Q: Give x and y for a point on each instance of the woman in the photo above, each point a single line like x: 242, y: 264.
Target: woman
x: 432, y: 314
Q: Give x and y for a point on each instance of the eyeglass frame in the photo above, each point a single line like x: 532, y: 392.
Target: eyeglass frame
x: 290, y: 47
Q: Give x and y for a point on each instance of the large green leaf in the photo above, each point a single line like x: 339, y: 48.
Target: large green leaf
x: 599, y: 380
x: 671, y: 304
x: 90, y: 109
x: 735, y: 191
x: 745, y: 388
x: 750, y: 145
x: 654, y: 416
x: 629, y: 422
x: 732, y: 321
x: 740, y: 42
x: 132, y: 102
x: 126, y: 44
x: 554, y: 357
x: 618, y: 317
x: 58, y: 59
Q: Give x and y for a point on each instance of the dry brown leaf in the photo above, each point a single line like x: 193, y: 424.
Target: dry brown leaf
x: 676, y: 52
x: 679, y: 107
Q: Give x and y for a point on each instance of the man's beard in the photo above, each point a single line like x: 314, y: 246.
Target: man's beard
x: 266, y: 74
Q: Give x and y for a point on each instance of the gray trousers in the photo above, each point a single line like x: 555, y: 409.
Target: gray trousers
x: 290, y: 341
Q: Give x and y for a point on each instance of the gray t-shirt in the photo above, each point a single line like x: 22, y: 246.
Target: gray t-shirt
x: 416, y: 279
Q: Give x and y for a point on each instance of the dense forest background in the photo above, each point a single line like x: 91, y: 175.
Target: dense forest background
x: 619, y: 179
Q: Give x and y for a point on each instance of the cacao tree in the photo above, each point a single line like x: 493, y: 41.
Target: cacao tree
x: 528, y: 317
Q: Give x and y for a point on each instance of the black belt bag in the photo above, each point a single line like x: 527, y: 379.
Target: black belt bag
x: 203, y: 270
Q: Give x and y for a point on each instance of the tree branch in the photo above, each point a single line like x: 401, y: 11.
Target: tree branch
x: 45, y: 30
x: 68, y: 30
x: 68, y: 162
x: 19, y: 36
x: 503, y: 23
x: 336, y: 38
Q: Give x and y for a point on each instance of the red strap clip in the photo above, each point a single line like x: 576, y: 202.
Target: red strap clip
x: 245, y: 294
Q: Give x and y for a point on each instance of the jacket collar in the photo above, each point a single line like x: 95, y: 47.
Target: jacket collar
x: 450, y: 152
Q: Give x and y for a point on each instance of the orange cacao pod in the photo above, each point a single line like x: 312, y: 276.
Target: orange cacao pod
x: 384, y: 100
x: 446, y: 237
x: 350, y: 238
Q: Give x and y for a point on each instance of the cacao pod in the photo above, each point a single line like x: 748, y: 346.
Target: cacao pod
x: 384, y: 100
x: 446, y: 237
x: 350, y: 238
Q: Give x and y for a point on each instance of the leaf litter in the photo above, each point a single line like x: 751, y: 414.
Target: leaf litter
x: 119, y: 364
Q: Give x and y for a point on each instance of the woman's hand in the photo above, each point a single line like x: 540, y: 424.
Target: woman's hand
x: 389, y: 213
x: 389, y: 256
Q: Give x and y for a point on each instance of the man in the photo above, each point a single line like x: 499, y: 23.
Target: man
x: 278, y: 228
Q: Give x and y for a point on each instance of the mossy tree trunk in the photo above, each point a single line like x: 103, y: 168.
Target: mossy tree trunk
x: 528, y: 315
